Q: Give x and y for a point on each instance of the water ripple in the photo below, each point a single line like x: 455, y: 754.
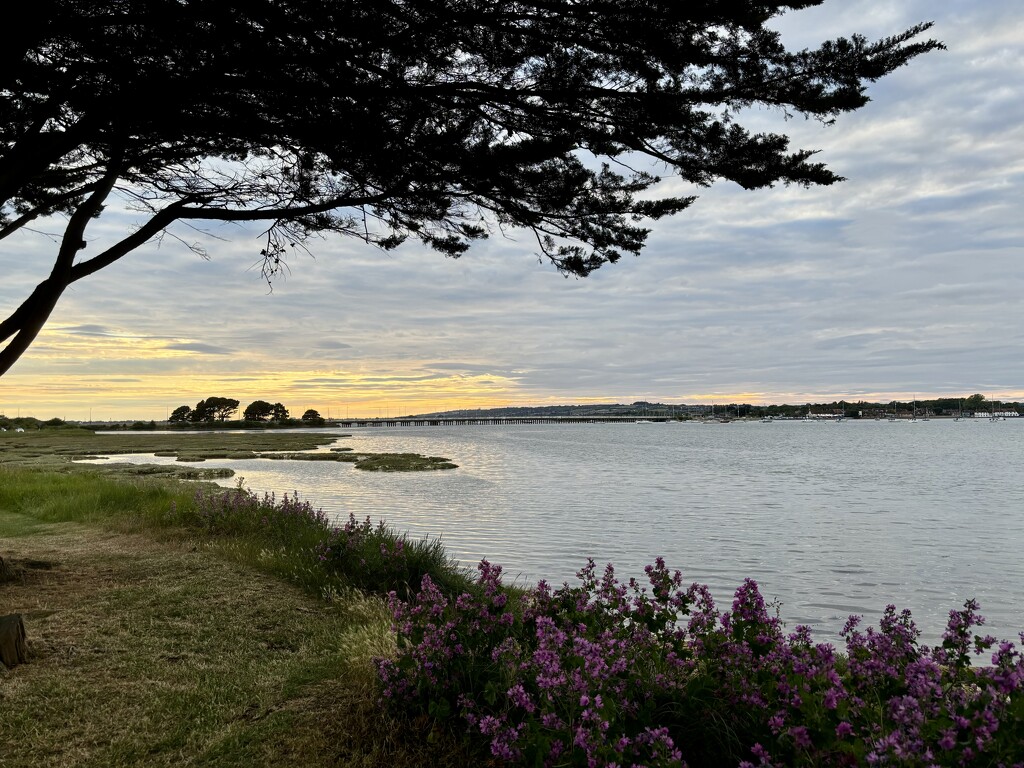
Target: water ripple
x: 828, y: 521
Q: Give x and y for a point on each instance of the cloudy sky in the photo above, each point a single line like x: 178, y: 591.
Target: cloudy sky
x: 905, y: 279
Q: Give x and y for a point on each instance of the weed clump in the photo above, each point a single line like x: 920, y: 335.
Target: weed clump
x: 377, y: 559
x: 321, y: 555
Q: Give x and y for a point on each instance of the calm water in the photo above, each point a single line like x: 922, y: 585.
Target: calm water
x: 830, y: 518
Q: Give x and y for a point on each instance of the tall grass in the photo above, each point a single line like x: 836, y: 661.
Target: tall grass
x: 376, y: 559
x: 41, y: 497
x: 300, y: 542
x: 286, y: 536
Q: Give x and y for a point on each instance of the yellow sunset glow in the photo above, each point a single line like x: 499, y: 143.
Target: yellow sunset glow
x: 89, y: 373
x: 61, y: 379
x: 149, y: 396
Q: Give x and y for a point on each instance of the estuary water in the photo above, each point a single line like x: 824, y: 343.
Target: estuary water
x: 830, y: 518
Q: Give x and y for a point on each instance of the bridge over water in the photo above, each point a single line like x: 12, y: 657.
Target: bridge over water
x: 446, y: 421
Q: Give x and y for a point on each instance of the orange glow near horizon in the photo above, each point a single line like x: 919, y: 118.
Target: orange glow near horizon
x: 78, y: 373
x: 145, y: 397
x: 77, y: 397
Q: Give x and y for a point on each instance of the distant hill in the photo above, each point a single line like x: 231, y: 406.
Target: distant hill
x: 948, y: 406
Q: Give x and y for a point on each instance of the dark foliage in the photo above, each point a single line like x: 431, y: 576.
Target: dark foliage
x: 439, y: 120
x: 180, y: 415
x: 312, y: 416
x: 258, y: 410
x: 213, y: 409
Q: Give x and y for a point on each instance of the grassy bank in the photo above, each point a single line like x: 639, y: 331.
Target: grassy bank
x: 221, y: 628
x: 163, y: 634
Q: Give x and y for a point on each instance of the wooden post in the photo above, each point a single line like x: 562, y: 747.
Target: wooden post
x: 12, y: 640
x: 6, y: 571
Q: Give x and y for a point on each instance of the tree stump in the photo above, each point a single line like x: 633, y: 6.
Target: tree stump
x: 6, y: 571
x: 12, y: 640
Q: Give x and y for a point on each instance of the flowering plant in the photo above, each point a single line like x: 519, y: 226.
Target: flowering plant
x: 240, y: 510
x: 376, y: 559
x: 611, y: 674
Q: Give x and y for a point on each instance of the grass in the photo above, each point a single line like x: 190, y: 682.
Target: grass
x: 35, y: 498
x: 154, y: 642
x: 58, y: 449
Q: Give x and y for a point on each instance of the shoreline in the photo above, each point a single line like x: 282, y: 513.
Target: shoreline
x: 164, y: 646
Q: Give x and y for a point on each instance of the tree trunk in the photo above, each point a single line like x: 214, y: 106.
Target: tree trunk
x: 12, y: 640
x: 27, y: 320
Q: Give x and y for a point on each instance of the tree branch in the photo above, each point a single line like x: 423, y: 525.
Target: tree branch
x: 161, y: 220
x: 52, y: 204
x: 264, y: 214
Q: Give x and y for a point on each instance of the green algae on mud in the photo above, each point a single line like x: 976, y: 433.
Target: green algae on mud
x: 61, y: 450
x: 401, y: 462
x: 373, y: 462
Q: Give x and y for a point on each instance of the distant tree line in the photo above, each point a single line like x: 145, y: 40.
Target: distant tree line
x: 27, y: 422
x: 943, y: 406
x: 221, y: 409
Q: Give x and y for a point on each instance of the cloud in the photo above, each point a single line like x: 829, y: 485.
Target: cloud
x: 89, y: 330
x: 201, y: 348
x: 906, y: 277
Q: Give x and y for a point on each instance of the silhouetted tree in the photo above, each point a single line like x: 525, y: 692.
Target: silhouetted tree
x: 312, y: 417
x: 433, y: 119
x: 258, y: 410
x: 222, y: 407
x: 201, y: 412
x: 214, y: 409
x: 279, y: 413
x: 180, y: 415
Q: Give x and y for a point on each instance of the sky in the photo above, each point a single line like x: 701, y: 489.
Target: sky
x: 905, y: 280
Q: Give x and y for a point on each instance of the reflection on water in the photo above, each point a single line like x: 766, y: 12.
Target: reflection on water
x: 830, y: 518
